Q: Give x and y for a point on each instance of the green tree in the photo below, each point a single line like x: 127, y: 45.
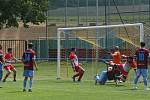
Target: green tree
x: 14, y: 11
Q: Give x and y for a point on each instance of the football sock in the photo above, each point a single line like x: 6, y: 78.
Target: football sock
x: 14, y: 76
x: 6, y: 76
x: 30, y: 84
x: 24, y: 84
x: 80, y: 76
x: 145, y: 81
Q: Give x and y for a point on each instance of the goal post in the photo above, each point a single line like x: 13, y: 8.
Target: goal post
x: 76, y: 30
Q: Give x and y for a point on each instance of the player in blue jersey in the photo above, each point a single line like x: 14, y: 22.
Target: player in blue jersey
x: 28, y: 60
x: 142, y: 55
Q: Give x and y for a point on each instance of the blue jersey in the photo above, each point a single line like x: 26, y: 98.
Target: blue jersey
x: 142, y: 58
x: 28, y: 59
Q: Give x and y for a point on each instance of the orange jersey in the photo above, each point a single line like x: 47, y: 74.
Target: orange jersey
x: 116, y: 57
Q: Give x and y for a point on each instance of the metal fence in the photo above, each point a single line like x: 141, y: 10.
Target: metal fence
x: 18, y: 46
x: 84, y: 12
x: 69, y: 13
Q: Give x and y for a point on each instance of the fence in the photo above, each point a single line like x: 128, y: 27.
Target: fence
x: 18, y: 46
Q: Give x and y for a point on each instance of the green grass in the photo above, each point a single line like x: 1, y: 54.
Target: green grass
x: 46, y: 87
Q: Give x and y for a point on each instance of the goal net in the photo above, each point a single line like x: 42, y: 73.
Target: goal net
x: 93, y: 44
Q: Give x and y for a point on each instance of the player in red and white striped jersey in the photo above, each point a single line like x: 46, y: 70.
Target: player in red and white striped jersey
x: 76, y: 66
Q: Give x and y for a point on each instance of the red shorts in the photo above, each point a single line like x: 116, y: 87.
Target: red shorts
x: 9, y: 67
x: 77, y: 68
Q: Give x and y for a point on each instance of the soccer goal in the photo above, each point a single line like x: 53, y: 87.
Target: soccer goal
x: 93, y: 43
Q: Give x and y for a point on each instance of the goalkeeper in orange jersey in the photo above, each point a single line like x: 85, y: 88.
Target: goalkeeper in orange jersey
x: 116, y: 58
x: 116, y: 55
x: 76, y: 66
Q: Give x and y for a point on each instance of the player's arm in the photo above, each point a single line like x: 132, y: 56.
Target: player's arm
x: 34, y: 63
x: 135, y: 67
x: 124, y: 56
x: 114, y: 54
x: 72, y: 65
x: 148, y: 53
x: 3, y: 60
x: 16, y: 60
x: 73, y: 69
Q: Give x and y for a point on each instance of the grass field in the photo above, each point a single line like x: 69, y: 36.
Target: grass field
x: 46, y: 87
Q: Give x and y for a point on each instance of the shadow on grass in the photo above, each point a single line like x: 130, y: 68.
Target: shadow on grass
x: 114, y: 84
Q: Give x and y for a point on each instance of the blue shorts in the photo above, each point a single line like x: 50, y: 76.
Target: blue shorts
x: 28, y: 73
x: 143, y: 72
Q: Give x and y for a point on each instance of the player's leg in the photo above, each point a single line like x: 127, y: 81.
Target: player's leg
x: 14, y: 74
x: 31, y: 73
x: 74, y: 76
x: 30, y: 84
x: 76, y: 73
x: 1, y: 71
x: 25, y: 83
x: 7, y: 68
x: 145, y: 76
x: 26, y: 75
x: 1, y: 75
x: 81, y: 72
x: 138, y: 74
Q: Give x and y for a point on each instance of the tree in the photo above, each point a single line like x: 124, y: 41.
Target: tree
x: 14, y: 11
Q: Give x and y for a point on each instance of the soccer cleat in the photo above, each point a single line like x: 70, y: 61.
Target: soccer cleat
x: 24, y: 90
x: 4, y: 80
x: 14, y: 80
x: 96, y: 82
x: 29, y: 90
x: 79, y: 80
x: 117, y: 82
x: 73, y: 79
x: 134, y: 87
x: 120, y: 81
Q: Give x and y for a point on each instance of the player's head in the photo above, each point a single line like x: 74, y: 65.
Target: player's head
x: 130, y: 59
x: 116, y: 47
x: 9, y: 50
x: 30, y: 45
x: 142, y: 44
x: 0, y: 46
x: 73, y: 49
